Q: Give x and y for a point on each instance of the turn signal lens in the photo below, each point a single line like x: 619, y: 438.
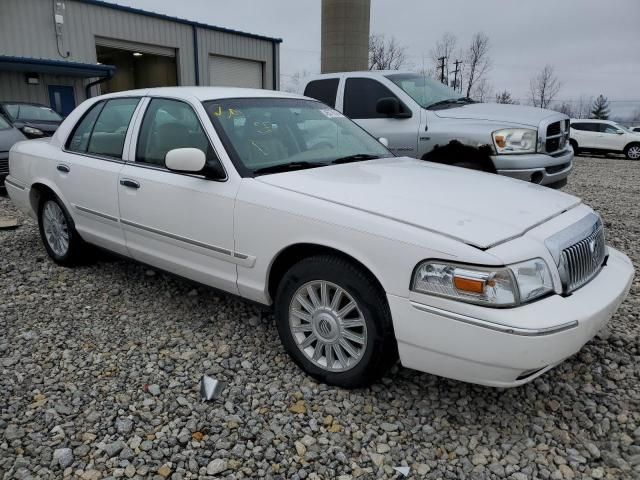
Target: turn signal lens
x: 500, y: 142
x: 468, y: 285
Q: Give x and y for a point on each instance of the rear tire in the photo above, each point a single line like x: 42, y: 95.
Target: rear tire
x: 574, y: 144
x: 632, y: 152
x: 58, y: 233
x: 334, y: 321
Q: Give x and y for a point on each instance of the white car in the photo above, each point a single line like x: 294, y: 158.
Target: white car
x: 364, y: 256
x: 604, y: 136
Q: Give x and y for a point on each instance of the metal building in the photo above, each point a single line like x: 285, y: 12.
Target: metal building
x: 58, y: 52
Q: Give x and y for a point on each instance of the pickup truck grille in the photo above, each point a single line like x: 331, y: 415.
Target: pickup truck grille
x: 4, y: 162
x: 582, y: 260
x: 557, y: 136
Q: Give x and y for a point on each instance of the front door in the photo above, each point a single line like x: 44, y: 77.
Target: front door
x: 612, y: 138
x: 361, y: 96
x: 62, y: 99
x: 178, y: 222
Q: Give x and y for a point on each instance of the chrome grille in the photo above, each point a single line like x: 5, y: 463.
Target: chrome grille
x: 557, y: 135
x: 583, y: 260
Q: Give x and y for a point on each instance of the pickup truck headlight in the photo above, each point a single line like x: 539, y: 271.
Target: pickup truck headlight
x: 515, y: 140
x: 494, y: 287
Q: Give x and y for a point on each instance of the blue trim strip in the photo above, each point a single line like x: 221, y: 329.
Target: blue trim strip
x: 59, y: 66
x: 122, y: 8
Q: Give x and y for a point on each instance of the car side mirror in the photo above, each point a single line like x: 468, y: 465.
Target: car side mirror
x: 384, y: 141
x: 185, y: 160
x: 619, y: 132
x: 390, y: 106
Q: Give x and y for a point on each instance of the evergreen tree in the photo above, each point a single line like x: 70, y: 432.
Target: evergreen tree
x: 600, y: 109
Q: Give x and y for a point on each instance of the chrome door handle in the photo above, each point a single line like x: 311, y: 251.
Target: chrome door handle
x: 126, y: 182
x: 63, y: 168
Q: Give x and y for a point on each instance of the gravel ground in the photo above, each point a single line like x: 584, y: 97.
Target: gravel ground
x: 99, y: 370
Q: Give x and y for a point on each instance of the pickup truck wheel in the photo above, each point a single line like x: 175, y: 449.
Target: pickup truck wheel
x: 61, y: 241
x: 334, y: 322
x: 633, y: 151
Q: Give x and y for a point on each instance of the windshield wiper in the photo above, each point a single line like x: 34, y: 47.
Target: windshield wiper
x: 450, y: 101
x: 358, y: 157
x: 288, y: 167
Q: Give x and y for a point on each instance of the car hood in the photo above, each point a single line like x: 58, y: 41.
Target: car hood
x: 8, y: 137
x: 498, y: 112
x: 477, y: 208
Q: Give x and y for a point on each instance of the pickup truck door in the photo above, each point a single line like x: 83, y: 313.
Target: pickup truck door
x: 182, y: 223
x: 89, y: 168
x: 360, y: 98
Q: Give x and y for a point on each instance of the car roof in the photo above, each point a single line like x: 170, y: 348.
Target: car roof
x: 205, y: 93
x: 35, y: 104
x: 362, y: 73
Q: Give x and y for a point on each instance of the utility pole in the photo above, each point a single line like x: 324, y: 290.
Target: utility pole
x: 441, y: 67
x: 455, y: 74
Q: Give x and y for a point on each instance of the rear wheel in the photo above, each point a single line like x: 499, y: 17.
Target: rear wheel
x: 62, y: 242
x: 334, y: 321
x: 633, y: 151
x: 574, y: 144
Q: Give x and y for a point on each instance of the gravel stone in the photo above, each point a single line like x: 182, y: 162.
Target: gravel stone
x: 104, y: 360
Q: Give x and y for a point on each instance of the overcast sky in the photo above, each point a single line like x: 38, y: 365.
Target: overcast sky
x: 594, y: 45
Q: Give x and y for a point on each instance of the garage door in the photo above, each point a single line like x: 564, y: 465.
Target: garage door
x: 234, y: 72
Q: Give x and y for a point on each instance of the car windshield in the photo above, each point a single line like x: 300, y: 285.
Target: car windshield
x: 25, y: 111
x: 3, y: 123
x: 622, y: 127
x: 423, y: 90
x: 268, y: 135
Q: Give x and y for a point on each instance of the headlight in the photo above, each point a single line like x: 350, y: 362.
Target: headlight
x: 515, y: 140
x: 32, y: 131
x: 499, y: 287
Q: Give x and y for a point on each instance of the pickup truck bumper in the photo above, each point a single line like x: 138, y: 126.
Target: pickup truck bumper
x: 536, y: 167
x: 508, y: 347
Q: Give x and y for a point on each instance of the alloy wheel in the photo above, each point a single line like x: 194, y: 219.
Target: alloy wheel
x: 328, y: 326
x: 55, y: 228
x: 634, y: 152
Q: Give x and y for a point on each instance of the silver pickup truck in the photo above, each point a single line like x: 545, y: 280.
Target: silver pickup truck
x: 422, y: 118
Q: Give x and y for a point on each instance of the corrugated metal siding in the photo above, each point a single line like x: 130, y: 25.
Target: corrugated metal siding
x: 27, y: 30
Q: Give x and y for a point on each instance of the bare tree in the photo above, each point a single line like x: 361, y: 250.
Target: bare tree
x: 582, y: 107
x: 385, y: 53
x: 505, y: 97
x: 567, y: 108
x: 483, y: 91
x: 477, y: 60
x: 295, y: 81
x: 445, y: 47
x: 544, y: 87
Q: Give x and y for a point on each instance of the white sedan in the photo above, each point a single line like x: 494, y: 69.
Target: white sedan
x: 365, y: 257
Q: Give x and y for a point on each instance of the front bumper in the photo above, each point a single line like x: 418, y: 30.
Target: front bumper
x: 536, y: 167
x: 506, y: 347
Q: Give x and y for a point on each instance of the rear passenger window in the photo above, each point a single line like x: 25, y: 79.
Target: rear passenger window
x: 79, y: 139
x: 170, y: 124
x: 111, y: 127
x: 323, y: 90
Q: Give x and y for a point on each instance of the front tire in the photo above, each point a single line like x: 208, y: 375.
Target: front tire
x: 334, y: 321
x: 58, y: 233
x: 632, y: 152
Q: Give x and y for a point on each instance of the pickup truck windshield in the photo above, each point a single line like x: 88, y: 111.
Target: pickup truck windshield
x: 426, y: 91
x: 272, y: 135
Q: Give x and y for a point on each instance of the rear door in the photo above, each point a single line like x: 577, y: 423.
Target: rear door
x: 587, y: 134
x: 88, y: 175
x: 361, y: 96
x: 182, y: 223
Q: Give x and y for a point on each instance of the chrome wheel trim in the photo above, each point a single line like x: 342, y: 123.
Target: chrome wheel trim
x: 634, y: 153
x: 328, y: 326
x: 56, y: 230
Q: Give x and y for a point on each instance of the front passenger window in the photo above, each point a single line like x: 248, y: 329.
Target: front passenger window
x: 169, y: 124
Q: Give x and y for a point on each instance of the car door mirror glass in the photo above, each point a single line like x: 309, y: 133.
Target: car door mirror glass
x: 188, y: 160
